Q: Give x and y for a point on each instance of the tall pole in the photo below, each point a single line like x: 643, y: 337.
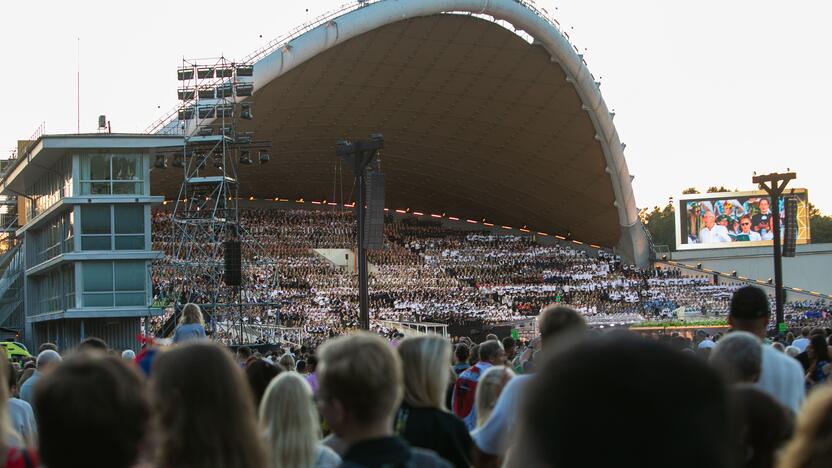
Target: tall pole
x: 774, y: 184
x: 360, y: 154
x: 363, y: 300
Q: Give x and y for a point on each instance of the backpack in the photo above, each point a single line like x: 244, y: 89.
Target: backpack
x: 465, y: 391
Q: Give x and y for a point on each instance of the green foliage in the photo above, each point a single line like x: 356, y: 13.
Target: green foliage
x: 690, y: 190
x: 719, y: 189
x: 820, y: 226
x: 715, y: 322
x: 660, y: 222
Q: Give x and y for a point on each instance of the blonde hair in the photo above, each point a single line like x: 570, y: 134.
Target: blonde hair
x: 363, y: 373
x: 489, y: 387
x: 290, y: 422
x: 426, y: 364
x: 191, y: 313
x: 287, y: 362
x: 811, y: 446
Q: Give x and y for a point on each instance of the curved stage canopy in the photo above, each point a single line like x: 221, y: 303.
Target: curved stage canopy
x: 478, y: 122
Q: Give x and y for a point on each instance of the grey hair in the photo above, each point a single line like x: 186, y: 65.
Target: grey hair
x: 48, y: 357
x: 738, y: 356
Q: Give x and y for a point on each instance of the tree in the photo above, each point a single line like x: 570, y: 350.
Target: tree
x: 820, y: 226
x: 690, y: 190
x: 661, y: 224
x: 721, y: 188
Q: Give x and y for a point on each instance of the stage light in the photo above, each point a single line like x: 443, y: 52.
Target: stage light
x: 770, y: 281
x: 699, y: 266
x: 224, y: 90
x: 206, y: 72
x: 185, y: 74
x: 264, y: 156
x: 664, y: 257
x: 245, y: 89
x: 734, y: 273
x: 218, y: 162
x: 206, y: 94
x: 225, y: 110
x: 160, y: 162
x: 205, y: 131
x: 245, y: 112
x: 245, y: 158
x: 245, y: 70
x: 178, y: 160
x: 186, y: 113
x: 225, y: 72
x: 185, y: 94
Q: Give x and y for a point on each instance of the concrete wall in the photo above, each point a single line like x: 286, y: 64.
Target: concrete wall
x: 344, y: 258
x: 810, y: 269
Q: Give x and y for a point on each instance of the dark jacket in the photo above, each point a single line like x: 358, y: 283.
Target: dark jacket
x: 435, y: 430
x: 390, y: 452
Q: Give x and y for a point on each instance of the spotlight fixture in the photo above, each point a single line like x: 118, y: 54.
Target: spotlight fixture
x: 734, y: 273
x: 245, y: 112
x: 245, y: 89
x: 160, y: 162
x: 699, y: 266
x: 245, y: 158
x: 664, y: 257
x: 264, y: 156
x: 770, y: 281
x: 178, y: 160
x: 218, y: 161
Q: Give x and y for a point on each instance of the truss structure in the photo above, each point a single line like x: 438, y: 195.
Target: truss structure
x: 215, y: 96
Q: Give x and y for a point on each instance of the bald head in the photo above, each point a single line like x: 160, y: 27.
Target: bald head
x: 47, y: 359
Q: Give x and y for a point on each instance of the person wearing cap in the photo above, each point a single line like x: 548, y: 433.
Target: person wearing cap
x: 781, y: 376
x: 712, y: 232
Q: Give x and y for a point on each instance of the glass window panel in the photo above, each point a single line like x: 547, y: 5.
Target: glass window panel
x: 98, y: 276
x: 126, y: 167
x: 130, y: 242
x: 131, y: 299
x: 95, y: 188
x: 96, y: 243
x: 126, y: 188
x: 98, y: 300
x: 95, y: 219
x: 129, y: 219
x: 130, y: 276
x: 96, y: 167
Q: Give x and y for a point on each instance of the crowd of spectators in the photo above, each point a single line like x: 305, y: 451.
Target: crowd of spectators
x: 575, y: 396
x: 428, y: 272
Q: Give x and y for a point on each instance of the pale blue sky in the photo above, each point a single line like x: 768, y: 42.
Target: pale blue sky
x: 704, y: 92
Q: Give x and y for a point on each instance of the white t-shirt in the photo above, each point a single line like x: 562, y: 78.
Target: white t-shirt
x: 22, y: 419
x: 801, y: 344
x: 782, y: 378
x: 494, y: 436
x: 718, y: 233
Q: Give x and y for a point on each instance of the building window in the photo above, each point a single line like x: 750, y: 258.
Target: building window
x: 114, y: 284
x: 112, y: 227
x: 111, y: 174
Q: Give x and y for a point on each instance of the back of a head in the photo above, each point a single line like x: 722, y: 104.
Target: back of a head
x: 635, y: 391
x: 764, y: 425
x: 44, y: 346
x: 287, y: 362
x: 461, y: 353
x: 491, y: 337
x: 489, y: 387
x: 508, y: 342
x: 93, y: 344
x: 738, y: 357
x: 128, y: 355
x: 47, y: 358
x: 93, y: 412
x: 259, y: 374
x: 197, y: 391
x: 244, y: 352
x: 811, y: 446
x: 290, y: 421
x: 489, y: 349
x: 191, y: 313
x: 426, y: 372
x: 749, y: 308
x: 363, y: 373
x: 557, y: 322
x: 819, y: 348
x: 804, y: 332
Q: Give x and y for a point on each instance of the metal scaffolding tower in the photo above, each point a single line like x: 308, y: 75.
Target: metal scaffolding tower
x: 215, y: 96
